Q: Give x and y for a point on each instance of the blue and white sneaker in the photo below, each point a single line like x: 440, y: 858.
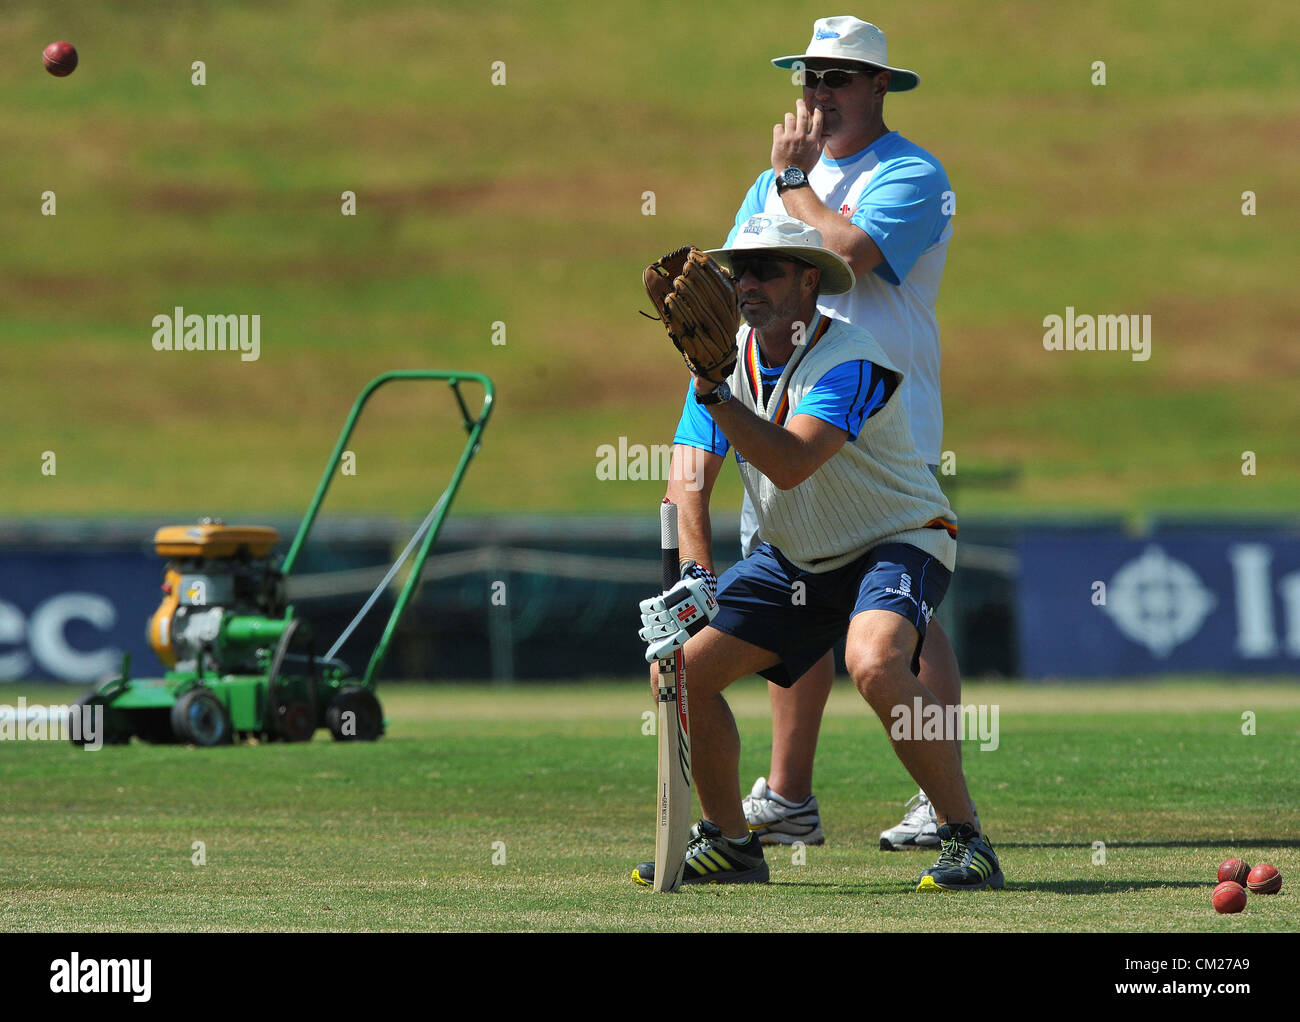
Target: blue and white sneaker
x: 779, y: 822
x: 967, y: 862
x: 713, y: 859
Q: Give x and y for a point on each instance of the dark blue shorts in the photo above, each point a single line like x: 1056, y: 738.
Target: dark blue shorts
x: 799, y: 615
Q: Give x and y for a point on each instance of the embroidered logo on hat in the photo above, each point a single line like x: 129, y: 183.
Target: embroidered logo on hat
x: 826, y: 33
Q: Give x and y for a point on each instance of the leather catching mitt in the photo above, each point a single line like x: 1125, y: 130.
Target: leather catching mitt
x: 696, y: 300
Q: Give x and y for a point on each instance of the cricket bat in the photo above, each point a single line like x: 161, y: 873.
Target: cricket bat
x: 674, y: 735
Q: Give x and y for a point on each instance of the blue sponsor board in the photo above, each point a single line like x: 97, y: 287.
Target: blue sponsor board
x: 69, y: 615
x: 1107, y: 605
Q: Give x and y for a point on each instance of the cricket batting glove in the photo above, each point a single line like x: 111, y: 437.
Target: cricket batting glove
x: 669, y: 619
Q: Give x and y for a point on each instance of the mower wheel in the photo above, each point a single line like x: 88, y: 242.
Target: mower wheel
x: 199, y: 718
x: 294, y: 722
x: 354, y: 715
x: 113, y: 735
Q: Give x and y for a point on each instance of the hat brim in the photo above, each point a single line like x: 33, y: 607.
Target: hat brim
x: 837, y: 276
x: 902, y: 80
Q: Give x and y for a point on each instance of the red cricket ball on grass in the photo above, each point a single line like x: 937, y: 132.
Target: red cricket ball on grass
x: 1229, y: 897
x: 1264, y: 879
x: 60, y: 59
x: 1235, y: 870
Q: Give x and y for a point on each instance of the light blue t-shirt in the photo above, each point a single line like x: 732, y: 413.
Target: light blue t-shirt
x: 900, y: 196
x: 901, y: 208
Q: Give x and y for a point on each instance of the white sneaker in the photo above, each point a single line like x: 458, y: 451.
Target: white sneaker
x: 919, y: 827
x: 778, y: 822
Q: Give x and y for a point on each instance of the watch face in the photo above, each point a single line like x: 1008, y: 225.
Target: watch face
x: 793, y: 176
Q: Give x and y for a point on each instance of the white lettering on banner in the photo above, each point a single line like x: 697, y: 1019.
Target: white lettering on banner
x: 49, y: 643
x: 1289, y: 587
x: 1256, y: 635
x: 46, y: 637
x: 13, y: 628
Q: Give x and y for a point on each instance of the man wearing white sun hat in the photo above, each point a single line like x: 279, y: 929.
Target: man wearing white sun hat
x: 885, y: 205
x: 857, y: 537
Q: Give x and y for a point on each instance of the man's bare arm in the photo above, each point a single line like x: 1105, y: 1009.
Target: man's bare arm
x: 690, y: 486
x: 787, y: 454
x: 798, y: 143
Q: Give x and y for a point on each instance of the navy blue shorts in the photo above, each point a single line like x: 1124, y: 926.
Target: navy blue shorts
x: 799, y: 615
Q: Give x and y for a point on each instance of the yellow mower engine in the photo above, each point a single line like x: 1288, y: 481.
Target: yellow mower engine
x: 214, y: 571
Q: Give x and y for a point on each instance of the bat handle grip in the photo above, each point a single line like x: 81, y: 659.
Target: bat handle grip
x: 668, y: 543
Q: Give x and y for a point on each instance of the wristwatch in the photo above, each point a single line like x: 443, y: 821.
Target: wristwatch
x: 716, y: 396
x: 791, y: 177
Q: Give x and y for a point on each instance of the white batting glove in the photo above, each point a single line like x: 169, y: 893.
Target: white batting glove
x: 669, y: 619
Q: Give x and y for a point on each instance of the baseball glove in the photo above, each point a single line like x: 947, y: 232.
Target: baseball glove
x: 696, y: 300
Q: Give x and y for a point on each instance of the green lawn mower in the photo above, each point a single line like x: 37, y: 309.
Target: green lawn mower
x: 239, y: 662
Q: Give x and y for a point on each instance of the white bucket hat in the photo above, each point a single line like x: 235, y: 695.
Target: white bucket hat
x: 784, y: 235
x: 844, y: 38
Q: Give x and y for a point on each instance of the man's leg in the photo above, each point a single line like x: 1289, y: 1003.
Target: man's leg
x: 879, y: 656
x: 714, y: 660
x: 918, y: 827
x: 721, y: 850
x: 796, y: 722
x: 939, y: 671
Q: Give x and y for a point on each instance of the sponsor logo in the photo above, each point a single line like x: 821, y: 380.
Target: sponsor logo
x: 1158, y: 601
x: 825, y: 33
x: 905, y: 591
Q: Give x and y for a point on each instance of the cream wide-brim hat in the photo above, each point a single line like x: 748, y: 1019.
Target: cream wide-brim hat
x: 851, y: 40
x: 776, y: 234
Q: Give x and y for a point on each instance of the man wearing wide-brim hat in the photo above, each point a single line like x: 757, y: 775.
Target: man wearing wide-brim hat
x: 885, y: 205
x: 856, y: 534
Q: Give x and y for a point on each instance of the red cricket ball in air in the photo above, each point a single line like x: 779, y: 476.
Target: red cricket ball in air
x: 60, y: 59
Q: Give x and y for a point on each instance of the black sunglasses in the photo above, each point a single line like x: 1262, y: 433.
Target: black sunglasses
x: 763, y: 268
x: 835, y: 78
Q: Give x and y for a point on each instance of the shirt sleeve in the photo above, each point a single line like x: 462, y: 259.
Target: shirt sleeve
x: 755, y: 202
x: 696, y: 427
x: 902, y: 209
x: 848, y: 395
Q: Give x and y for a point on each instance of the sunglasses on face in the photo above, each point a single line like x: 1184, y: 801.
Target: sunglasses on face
x: 764, y: 269
x: 834, y: 78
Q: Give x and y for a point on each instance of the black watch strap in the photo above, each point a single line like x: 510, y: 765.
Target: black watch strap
x: 719, y: 394
x: 791, y: 177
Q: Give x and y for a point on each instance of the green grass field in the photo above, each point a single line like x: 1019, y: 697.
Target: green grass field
x: 401, y: 834
x: 522, y: 203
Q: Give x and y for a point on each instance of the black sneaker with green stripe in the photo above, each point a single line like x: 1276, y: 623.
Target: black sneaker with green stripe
x: 712, y: 859
x: 967, y: 862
